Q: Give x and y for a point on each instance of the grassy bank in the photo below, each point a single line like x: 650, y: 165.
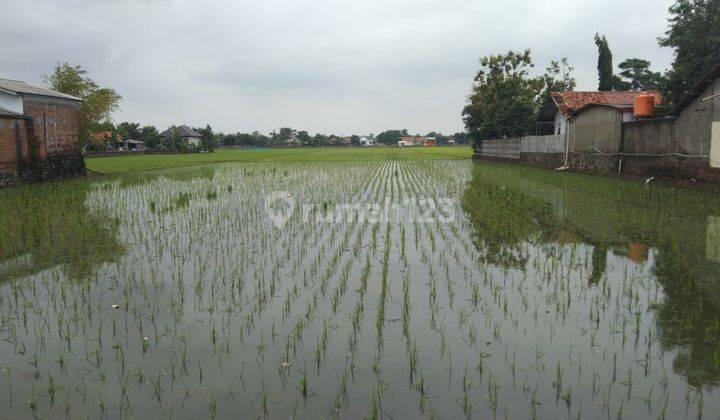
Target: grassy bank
x: 124, y: 164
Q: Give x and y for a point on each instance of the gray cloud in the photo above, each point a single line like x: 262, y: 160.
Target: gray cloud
x: 341, y: 66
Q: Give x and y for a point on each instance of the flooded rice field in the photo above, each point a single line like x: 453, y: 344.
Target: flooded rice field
x: 359, y: 290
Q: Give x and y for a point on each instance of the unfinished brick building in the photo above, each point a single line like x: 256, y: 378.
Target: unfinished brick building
x: 38, y: 134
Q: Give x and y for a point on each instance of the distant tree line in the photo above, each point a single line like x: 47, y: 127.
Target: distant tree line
x: 285, y: 134
x: 506, y: 100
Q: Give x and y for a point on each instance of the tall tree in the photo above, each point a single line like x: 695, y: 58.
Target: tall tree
x: 208, y: 140
x: 98, y: 103
x: 638, y: 75
x: 694, y: 33
x: 504, y: 100
x: 605, y: 64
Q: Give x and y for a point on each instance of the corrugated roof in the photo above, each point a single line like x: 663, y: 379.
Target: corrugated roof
x: 574, y: 102
x: 22, y: 88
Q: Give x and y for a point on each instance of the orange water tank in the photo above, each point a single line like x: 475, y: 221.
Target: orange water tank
x: 644, y: 105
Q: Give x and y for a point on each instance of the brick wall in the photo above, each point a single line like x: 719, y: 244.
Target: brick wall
x: 12, y: 135
x: 50, y: 124
x: 55, y: 123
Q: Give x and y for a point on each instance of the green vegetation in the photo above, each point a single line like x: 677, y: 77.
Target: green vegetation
x: 131, y: 164
x: 505, y: 100
x: 636, y: 75
x: 98, y: 102
x: 605, y: 65
x: 694, y: 35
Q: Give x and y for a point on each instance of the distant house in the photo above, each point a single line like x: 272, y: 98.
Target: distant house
x: 104, y: 135
x: 39, y: 134
x: 133, y: 145
x: 417, y: 141
x: 346, y: 141
x: 188, y: 134
x: 293, y: 140
x: 367, y: 141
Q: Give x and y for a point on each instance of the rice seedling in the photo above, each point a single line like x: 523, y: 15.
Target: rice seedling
x: 546, y: 296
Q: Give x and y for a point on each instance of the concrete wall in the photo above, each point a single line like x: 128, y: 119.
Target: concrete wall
x: 649, y: 137
x: 501, y: 149
x: 597, y: 128
x: 694, y: 123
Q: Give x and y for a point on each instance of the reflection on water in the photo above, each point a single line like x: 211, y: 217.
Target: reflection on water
x: 50, y: 225
x: 510, y: 206
x: 173, y: 295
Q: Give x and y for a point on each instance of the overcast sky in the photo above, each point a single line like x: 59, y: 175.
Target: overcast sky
x: 330, y: 66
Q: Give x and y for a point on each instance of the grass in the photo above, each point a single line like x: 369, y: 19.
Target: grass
x: 139, y: 163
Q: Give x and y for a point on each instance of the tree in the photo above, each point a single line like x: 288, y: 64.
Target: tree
x: 279, y: 138
x: 503, y: 102
x: 319, y: 140
x: 208, y: 140
x: 461, y: 138
x: 638, y: 76
x: 98, y: 103
x: 150, y: 136
x: 174, y: 141
x: 557, y: 78
x: 128, y: 130
x: 391, y: 136
x: 304, y: 138
x: 605, y: 64
x: 694, y: 33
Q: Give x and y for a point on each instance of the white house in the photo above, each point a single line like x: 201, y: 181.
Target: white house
x: 367, y: 141
x: 188, y: 134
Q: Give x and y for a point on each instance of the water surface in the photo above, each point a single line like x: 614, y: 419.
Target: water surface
x: 521, y: 294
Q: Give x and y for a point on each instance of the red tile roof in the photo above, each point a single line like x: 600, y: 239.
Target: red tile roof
x: 573, y: 102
